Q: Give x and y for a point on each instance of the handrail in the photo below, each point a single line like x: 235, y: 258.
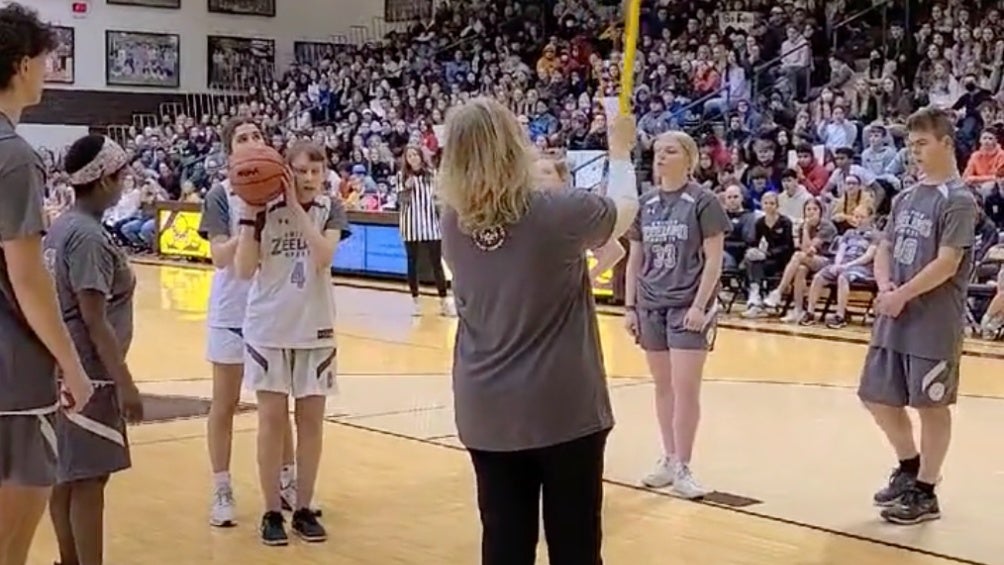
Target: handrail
x: 854, y: 17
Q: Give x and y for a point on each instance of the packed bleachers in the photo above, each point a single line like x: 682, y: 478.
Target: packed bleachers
x: 804, y: 99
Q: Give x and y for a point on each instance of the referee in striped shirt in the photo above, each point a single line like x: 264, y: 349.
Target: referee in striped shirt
x: 419, y: 224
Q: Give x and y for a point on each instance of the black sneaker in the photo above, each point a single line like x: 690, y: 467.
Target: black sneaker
x: 273, y: 529
x: 900, y: 482
x: 306, y: 526
x: 807, y: 320
x: 836, y: 322
x: 914, y: 507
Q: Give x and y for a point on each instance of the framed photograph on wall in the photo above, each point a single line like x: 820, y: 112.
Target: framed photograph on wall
x: 238, y: 63
x: 264, y: 8
x: 59, y: 67
x: 136, y: 58
x: 172, y: 4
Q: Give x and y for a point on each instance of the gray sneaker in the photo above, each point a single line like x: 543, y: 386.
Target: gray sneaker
x: 900, y: 482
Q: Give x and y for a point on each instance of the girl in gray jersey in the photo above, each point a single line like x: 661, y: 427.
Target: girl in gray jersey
x: 95, y: 285
x: 815, y: 252
x: 33, y: 338
x: 852, y: 264
x: 673, y: 271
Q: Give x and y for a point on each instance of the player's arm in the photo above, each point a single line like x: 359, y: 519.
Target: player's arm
x: 21, y: 228
x: 631, y: 271
x: 865, y: 259
x: 214, y: 225
x: 958, y: 233
x: 91, y: 271
x: 622, y: 184
x: 715, y: 224
x: 246, y: 255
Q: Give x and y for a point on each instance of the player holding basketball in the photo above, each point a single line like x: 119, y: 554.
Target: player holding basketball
x: 95, y: 286
x: 286, y: 250
x: 33, y: 338
x: 922, y: 268
x: 227, y: 302
x: 674, y: 265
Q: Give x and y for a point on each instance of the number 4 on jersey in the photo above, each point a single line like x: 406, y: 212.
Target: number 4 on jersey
x: 299, y: 275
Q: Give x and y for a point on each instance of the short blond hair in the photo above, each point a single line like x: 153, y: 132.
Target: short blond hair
x: 486, y: 172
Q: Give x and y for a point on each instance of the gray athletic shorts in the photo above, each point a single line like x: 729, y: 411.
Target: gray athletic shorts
x: 662, y: 329
x: 93, y: 443
x: 854, y: 274
x: 28, y: 450
x: 899, y: 379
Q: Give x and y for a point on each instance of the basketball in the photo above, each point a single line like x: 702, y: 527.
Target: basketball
x: 256, y: 174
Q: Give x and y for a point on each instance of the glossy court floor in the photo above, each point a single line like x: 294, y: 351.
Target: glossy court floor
x: 782, y: 433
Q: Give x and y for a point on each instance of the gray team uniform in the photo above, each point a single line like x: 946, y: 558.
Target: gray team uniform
x: 914, y: 358
x: 853, y: 244
x: 672, y: 227
x: 82, y: 257
x: 29, y: 396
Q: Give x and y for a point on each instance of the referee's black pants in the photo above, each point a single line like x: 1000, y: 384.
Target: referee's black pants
x: 434, y: 251
x: 569, y: 476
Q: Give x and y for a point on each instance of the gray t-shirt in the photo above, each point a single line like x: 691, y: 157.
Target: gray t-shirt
x: 825, y: 232
x: 81, y: 257
x: 672, y: 227
x: 923, y: 219
x: 27, y: 369
x: 527, y: 365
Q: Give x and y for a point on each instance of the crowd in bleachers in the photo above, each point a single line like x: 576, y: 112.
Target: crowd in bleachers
x: 798, y: 108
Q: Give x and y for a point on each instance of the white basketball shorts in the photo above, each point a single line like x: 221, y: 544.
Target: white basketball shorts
x: 225, y: 346
x: 299, y: 373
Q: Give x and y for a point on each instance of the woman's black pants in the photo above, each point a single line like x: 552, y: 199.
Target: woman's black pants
x: 434, y: 251
x: 569, y: 478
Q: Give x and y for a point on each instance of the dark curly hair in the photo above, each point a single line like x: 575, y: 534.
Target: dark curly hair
x: 22, y: 36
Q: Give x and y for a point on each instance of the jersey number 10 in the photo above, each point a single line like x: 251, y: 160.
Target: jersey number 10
x: 299, y: 275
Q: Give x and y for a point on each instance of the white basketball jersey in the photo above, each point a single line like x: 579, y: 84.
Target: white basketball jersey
x: 291, y: 302
x: 228, y: 296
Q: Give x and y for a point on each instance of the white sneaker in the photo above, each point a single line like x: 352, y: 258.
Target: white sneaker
x: 663, y: 474
x: 221, y: 514
x: 416, y: 309
x: 773, y: 299
x: 753, y: 312
x: 793, y: 316
x: 287, y: 492
x: 686, y: 486
x: 447, y: 308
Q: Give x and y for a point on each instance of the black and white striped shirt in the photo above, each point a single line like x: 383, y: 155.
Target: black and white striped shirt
x: 419, y: 213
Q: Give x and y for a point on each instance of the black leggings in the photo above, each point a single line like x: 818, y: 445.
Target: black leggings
x: 759, y: 271
x: 434, y: 250
x: 510, y: 486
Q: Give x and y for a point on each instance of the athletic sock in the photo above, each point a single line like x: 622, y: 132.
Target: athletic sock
x: 288, y: 474
x: 926, y: 488
x: 221, y: 479
x: 910, y: 466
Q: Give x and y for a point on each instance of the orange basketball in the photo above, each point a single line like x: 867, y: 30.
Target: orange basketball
x: 256, y: 174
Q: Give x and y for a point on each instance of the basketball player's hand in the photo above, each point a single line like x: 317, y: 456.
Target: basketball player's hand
x: 289, y: 186
x: 694, y: 320
x: 131, y: 403
x: 631, y: 322
x: 623, y: 136
x: 77, y: 388
x: 890, y: 303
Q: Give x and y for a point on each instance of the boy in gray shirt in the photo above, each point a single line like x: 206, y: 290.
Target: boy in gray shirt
x: 922, y: 269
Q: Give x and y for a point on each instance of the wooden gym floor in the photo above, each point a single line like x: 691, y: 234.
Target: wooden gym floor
x: 783, y: 440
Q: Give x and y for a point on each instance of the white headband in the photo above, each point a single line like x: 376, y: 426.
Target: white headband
x: 110, y: 159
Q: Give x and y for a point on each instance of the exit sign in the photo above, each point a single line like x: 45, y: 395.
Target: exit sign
x: 79, y: 9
